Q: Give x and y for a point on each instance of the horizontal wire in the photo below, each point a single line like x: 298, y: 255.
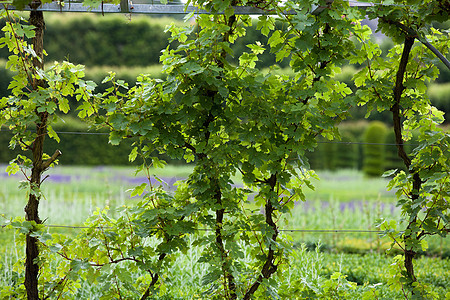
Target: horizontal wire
x: 332, y: 230
x: 319, y: 142
x: 82, y: 133
x: 364, y: 143
x: 242, y: 230
x: 66, y: 132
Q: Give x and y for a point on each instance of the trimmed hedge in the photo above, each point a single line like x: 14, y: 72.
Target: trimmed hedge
x: 345, y: 153
x: 392, y: 160
x: 323, y: 156
x: 94, y: 149
x: 86, y: 149
x: 374, y: 150
x: 89, y: 147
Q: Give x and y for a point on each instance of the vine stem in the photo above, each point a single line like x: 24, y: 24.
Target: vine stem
x: 32, y: 268
x: 269, y: 267
x: 230, y: 287
x: 417, y: 182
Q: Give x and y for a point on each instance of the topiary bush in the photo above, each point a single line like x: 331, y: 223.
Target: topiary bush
x: 374, y: 150
x: 345, y: 153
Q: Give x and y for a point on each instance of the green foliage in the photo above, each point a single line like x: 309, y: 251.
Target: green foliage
x: 322, y: 157
x: 346, y: 76
x: 374, y: 149
x: 337, y: 154
x: 306, y: 282
x: 29, y: 111
x: 83, y: 188
x: 104, y: 40
x: 392, y: 160
x: 85, y: 149
x: 356, y: 129
x: 80, y: 145
x: 110, y: 253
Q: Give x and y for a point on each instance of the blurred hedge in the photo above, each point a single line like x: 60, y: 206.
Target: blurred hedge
x: 374, y: 149
x: 340, y: 154
x: 90, y: 147
x: 79, y: 145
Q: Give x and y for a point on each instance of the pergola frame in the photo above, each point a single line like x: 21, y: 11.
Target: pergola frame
x: 127, y: 7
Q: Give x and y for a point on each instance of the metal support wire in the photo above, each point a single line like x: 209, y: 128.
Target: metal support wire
x: 243, y: 230
x: 319, y: 142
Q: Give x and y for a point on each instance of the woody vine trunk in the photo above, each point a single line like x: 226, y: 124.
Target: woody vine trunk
x: 39, y: 165
x: 396, y: 116
x: 269, y: 267
x: 229, y: 280
x: 32, y: 207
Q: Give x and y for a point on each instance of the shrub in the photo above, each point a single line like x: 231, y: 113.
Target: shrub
x: 374, y: 151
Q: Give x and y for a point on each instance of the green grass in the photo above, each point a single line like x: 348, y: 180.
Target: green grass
x: 79, y: 189
x: 84, y: 188
x: 349, y: 185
